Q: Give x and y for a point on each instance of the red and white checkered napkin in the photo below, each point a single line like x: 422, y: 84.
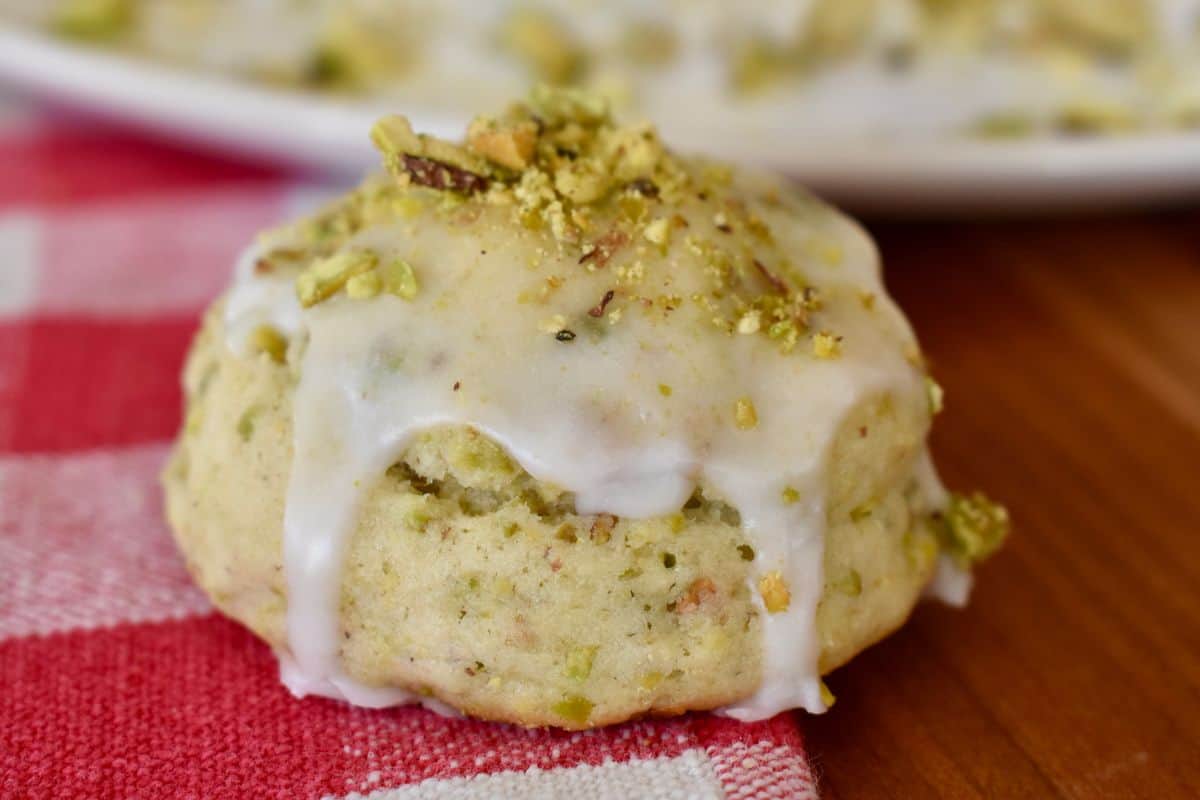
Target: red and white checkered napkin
x: 117, y: 679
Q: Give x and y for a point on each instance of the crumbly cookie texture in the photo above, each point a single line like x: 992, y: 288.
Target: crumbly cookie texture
x: 473, y: 582
x: 468, y: 580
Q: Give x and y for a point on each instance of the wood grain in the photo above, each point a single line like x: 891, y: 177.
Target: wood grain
x: 1070, y: 355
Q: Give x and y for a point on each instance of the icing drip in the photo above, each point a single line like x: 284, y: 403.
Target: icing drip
x: 587, y: 414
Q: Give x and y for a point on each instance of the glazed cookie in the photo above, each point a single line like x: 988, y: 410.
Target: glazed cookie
x: 557, y: 428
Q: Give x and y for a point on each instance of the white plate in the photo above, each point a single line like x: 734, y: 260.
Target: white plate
x: 949, y: 176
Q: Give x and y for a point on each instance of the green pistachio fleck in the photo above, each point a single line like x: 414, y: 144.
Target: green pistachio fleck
x: 393, y: 135
x: 245, y: 423
x: 937, y: 397
x: 326, y: 277
x: 195, y: 420
x: 850, y: 583
x: 775, y: 593
x: 746, y: 552
x: 631, y: 207
x: 668, y: 560
x: 650, y: 680
x: 759, y: 64
x: 579, y: 662
x: 265, y: 339
x: 544, y: 44
x: 1004, y: 125
x: 790, y: 496
x: 1093, y: 117
x: 658, y: 232
x: 973, y: 527
x: 920, y: 549
x: 575, y: 708
x: 93, y: 19
x: 417, y: 519
x: 859, y: 513
x: 507, y: 143
x: 558, y: 105
x: 397, y: 277
x: 409, y: 206
x: 364, y: 286
x: 826, y: 345
x: 664, y: 390
x: 745, y: 415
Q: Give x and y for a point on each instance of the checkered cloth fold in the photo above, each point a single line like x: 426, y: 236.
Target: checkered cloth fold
x: 117, y: 679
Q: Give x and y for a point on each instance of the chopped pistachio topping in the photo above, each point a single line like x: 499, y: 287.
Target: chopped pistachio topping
x: 324, y: 278
x: 760, y: 63
x: 425, y: 160
x: 550, y: 161
x: 1004, y: 125
x: 93, y: 19
x: 789, y: 496
x: 826, y: 345
x: 664, y: 390
x: 1085, y: 118
x: 607, y: 197
x: 658, y: 232
x: 750, y: 322
x: 398, y: 277
x: 544, y: 44
x: 265, y: 339
x: 774, y: 590
x: 506, y: 143
x: 746, y: 552
x: 352, y: 55
x: 745, y: 415
x: 574, y: 708
x: 973, y: 527
x: 364, y: 286
x: 937, y: 397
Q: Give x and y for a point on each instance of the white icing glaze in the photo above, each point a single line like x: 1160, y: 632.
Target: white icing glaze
x: 586, y: 415
x: 951, y: 583
x: 259, y: 300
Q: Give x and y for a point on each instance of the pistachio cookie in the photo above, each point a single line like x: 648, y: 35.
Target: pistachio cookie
x: 558, y: 428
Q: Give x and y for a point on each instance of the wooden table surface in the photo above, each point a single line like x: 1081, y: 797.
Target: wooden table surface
x: 1070, y: 355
